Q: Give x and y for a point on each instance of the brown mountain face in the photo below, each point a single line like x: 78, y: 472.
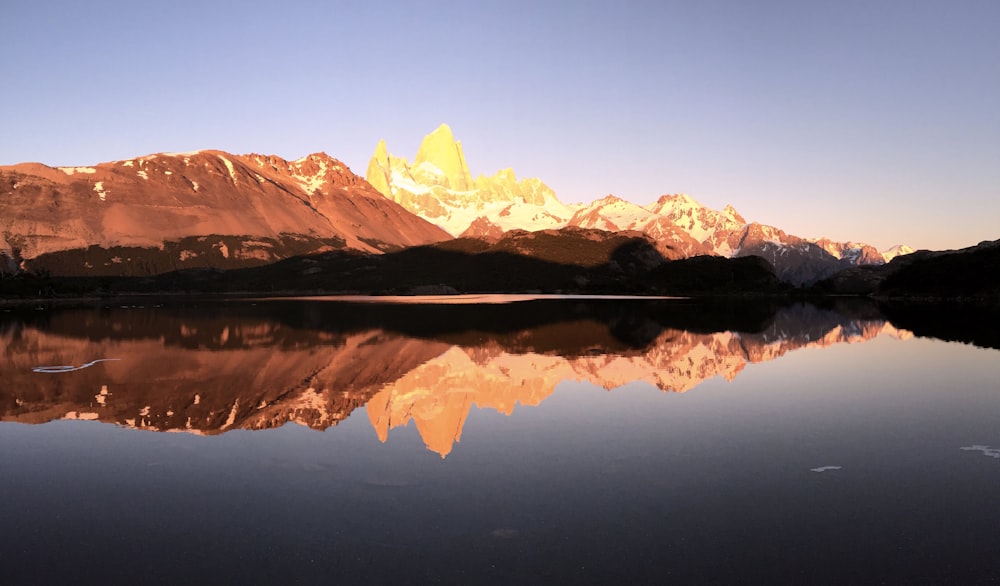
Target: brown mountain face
x: 208, y: 208
x: 795, y: 260
x: 856, y: 253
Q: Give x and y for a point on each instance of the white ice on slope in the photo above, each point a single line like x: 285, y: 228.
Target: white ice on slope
x: 311, y: 183
x: 229, y: 166
x: 403, y: 182
x: 456, y: 218
x: 499, y: 199
x: 71, y: 170
x: 612, y: 213
x: 508, y: 216
x: 706, y: 225
x: 99, y: 188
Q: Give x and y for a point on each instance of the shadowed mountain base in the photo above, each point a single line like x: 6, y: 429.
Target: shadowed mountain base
x: 969, y: 274
x: 567, y: 261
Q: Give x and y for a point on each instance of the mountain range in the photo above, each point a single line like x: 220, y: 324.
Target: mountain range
x: 438, y: 187
x: 968, y: 274
x: 170, y: 212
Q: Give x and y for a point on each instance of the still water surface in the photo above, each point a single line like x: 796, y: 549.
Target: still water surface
x: 533, y: 442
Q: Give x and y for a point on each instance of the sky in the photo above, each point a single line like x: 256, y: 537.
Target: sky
x: 874, y: 121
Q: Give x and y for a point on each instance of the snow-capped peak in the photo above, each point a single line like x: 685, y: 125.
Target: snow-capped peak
x: 611, y: 213
x: 894, y: 251
x: 439, y: 188
x: 674, y: 203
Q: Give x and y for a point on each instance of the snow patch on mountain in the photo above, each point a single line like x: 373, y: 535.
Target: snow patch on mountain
x: 406, y: 183
x: 310, y: 183
x: 99, y: 189
x: 72, y: 170
x: 613, y: 214
x: 229, y: 166
x: 712, y: 228
x: 897, y: 250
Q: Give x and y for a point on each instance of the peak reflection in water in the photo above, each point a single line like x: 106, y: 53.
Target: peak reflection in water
x: 221, y: 366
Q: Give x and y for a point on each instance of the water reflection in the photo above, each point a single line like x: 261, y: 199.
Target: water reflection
x: 212, y: 368
x: 778, y: 475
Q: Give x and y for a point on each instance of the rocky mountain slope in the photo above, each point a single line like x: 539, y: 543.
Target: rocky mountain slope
x: 206, y: 208
x: 439, y: 188
x: 569, y: 260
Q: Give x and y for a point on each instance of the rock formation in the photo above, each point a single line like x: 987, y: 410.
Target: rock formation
x: 439, y: 188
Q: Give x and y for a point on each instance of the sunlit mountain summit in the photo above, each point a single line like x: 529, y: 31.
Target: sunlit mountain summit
x: 439, y: 187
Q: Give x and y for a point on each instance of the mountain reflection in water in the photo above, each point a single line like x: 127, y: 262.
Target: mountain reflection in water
x: 216, y: 367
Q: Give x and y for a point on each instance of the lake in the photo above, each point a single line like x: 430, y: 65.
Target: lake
x: 526, y: 441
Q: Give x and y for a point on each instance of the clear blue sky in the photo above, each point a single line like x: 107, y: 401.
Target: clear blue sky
x: 867, y: 120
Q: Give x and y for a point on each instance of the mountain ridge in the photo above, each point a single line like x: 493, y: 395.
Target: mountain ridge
x: 211, y: 209
x: 497, y: 204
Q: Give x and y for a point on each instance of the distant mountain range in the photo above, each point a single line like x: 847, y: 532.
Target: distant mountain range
x: 171, y: 213
x: 971, y: 273
x: 438, y: 187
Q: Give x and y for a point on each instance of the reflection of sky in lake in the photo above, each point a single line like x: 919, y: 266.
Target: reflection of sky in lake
x: 714, y: 484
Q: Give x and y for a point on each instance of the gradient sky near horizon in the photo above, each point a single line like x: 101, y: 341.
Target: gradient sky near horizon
x: 865, y: 120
